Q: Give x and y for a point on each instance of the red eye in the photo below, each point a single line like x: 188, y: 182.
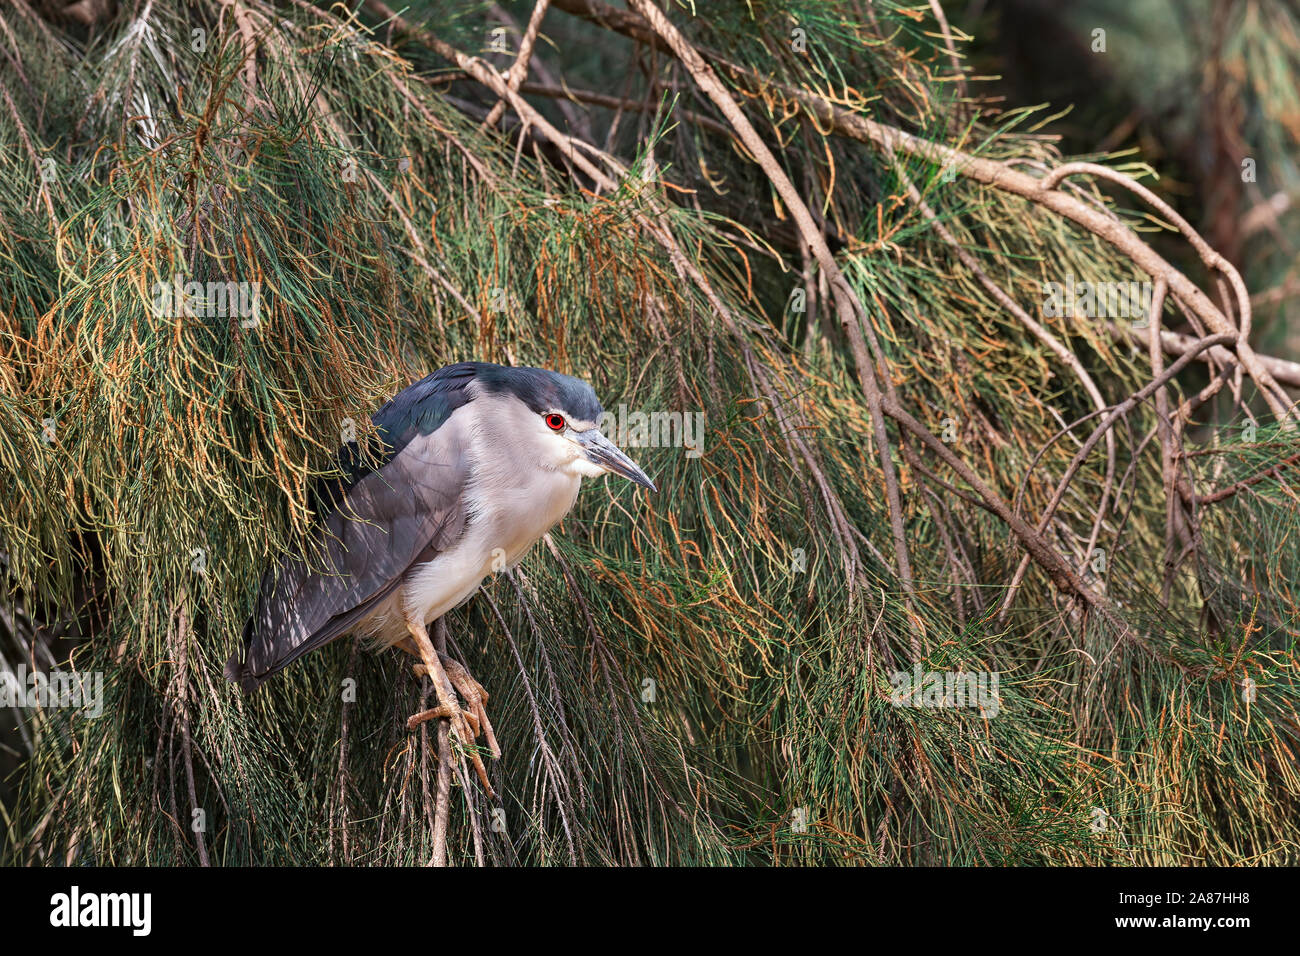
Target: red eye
x: 555, y: 422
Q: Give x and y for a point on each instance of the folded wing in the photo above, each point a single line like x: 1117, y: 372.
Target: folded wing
x: 377, y: 524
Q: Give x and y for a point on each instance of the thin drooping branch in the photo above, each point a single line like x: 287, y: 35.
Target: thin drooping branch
x: 1119, y: 411
x: 852, y: 315
x: 1041, y: 333
x: 550, y: 766
x: 1057, y: 568
x: 618, y: 103
x: 1211, y: 258
x: 181, y: 683
x: 44, y: 189
x: 1168, y: 440
x: 1272, y: 471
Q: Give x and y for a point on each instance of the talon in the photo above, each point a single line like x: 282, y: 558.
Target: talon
x: 465, y: 723
x: 475, y: 697
x: 415, y: 720
x: 471, y: 719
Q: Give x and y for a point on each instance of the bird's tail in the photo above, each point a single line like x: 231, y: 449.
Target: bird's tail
x: 238, y: 672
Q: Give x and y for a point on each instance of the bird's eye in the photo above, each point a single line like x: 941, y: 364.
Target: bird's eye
x: 555, y: 422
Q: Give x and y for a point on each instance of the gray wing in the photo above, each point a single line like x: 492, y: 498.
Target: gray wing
x: 409, y: 509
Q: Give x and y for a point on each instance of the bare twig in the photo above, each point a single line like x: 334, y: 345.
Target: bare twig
x: 442, y: 809
x: 519, y: 69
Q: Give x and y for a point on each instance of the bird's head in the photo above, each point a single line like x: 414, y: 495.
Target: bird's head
x: 563, y: 415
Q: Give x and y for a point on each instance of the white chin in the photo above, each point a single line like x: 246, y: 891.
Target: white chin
x: 585, y: 468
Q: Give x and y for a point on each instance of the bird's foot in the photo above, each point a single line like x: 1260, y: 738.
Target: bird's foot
x: 474, y: 696
x: 465, y: 727
x: 433, y: 713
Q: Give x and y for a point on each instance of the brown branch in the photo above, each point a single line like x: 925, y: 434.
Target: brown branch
x: 43, y: 190
x: 1176, y: 343
x: 1165, y: 429
x: 442, y: 809
x: 181, y: 683
x: 249, y: 36
x: 1119, y: 411
x: 851, y: 313
x: 1273, y: 471
x: 1045, y: 336
x: 1001, y: 176
x: 1062, y: 575
x: 550, y: 764
x: 619, y: 103
x: 519, y: 69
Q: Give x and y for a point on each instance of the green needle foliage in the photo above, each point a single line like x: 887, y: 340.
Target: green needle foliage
x: 703, y: 676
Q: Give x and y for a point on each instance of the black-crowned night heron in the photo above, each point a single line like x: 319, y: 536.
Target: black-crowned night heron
x: 476, y: 463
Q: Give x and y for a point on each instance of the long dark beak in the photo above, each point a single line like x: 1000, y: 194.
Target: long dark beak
x: 603, y: 452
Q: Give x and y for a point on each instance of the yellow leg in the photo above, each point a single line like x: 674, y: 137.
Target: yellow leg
x: 470, y: 690
x: 447, y: 706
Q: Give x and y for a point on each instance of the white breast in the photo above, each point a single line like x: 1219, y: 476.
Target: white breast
x: 512, y: 499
